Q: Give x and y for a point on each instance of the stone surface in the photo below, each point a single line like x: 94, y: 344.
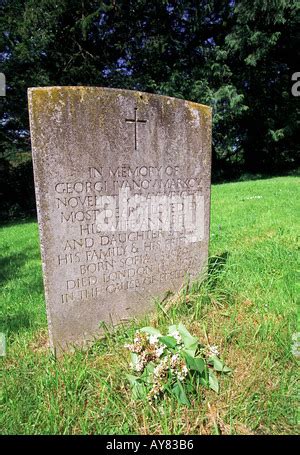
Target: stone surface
x: 122, y: 184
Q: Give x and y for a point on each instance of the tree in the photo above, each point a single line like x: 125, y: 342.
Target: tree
x: 236, y: 56
x: 261, y: 49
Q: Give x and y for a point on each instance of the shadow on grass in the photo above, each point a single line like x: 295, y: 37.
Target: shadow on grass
x: 216, y: 266
x: 15, y: 322
x: 16, y: 221
x: 248, y: 177
x: 10, y: 266
x: 22, y: 286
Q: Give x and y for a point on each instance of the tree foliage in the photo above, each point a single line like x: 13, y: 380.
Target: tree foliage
x: 237, y: 56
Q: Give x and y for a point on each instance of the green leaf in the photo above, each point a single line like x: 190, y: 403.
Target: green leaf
x: 190, y: 352
x: 134, y: 359
x: 150, y: 331
x: 218, y: 364
x: 189, y: 341
x: 213, y: 381
x: 148, y: 372
x: 172, y: 329
x: 169, y: 341
x: 203, y: 382
x: 194, y: 363
x: 180, y: 394
x: 139, y: 390
x: 132, y: 379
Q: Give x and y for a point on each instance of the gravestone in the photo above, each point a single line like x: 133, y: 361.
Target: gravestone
x: 122, y: 183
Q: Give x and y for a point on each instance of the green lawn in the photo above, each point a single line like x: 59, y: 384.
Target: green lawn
x: 247, y: 307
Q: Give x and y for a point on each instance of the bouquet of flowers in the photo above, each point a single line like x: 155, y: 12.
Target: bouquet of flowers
x: 175, y: 363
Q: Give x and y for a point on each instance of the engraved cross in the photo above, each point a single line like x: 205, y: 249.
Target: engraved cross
x: 135, y: 120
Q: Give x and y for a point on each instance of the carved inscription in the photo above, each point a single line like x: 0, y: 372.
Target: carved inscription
x: 121, y: 219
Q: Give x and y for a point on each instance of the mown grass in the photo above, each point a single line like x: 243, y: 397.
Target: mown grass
x: 247, y: 307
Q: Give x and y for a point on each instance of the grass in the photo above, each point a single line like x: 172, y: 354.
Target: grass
x: 247, y: 307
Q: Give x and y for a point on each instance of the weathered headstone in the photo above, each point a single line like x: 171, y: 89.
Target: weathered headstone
x: 122, y: 184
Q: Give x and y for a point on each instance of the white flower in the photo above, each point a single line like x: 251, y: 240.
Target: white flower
x: 159, y: 351
x: 177, y: 336
x: 181, y: 375
x: 161, y: 369
x: 157, y: 370
x: 213, y: 350
x: 134, y: 347
x: 153, y: 339
x: 139, y: 366
x: 174, y: 360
